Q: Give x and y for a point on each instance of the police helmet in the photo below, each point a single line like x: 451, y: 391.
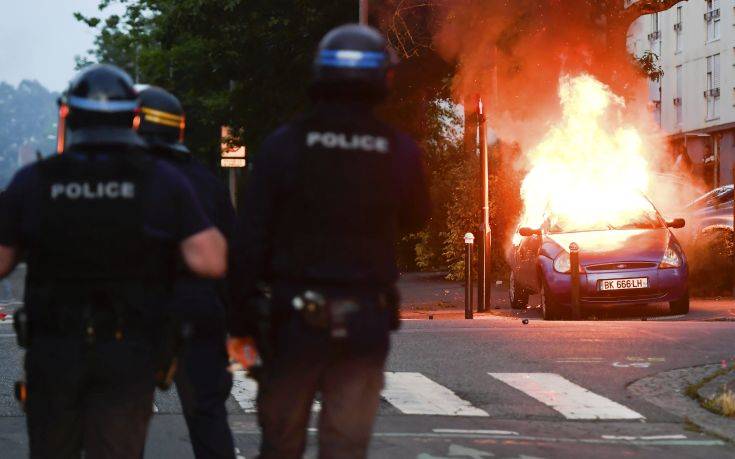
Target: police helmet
x: 352, y: 60
x: 162, y: 121
x: 99, y: 108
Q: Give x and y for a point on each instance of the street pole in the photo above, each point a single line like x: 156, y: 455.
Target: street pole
x: 363, y: 12
x: 483, y: 302
x: 233, y: 187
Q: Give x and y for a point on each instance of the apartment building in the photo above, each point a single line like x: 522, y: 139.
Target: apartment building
x: 694, y: 101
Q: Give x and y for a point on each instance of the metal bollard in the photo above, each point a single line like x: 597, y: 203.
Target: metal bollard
x: 574, y: 272
x: 469, y: 239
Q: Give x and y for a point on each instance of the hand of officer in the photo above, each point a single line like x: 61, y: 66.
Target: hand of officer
x: 242, y: 350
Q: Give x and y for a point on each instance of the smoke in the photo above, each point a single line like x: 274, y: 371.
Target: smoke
x: 515, y: 53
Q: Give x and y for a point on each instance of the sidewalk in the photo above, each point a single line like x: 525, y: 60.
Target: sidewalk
x: 431, y: 296
x: 677, y: 391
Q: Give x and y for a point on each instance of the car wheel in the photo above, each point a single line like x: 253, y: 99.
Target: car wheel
x: 680, y: 306
x: 518, y: 295
x: 549, y: 307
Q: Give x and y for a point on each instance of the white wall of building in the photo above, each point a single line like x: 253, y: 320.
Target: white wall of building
x: 695, y: 42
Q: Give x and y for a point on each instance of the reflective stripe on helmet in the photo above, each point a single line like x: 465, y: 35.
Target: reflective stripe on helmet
x: 102, y: 105
x: 347, y: 58
x: 163, y: 118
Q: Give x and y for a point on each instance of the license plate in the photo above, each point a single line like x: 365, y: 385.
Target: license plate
x: 624, y: 284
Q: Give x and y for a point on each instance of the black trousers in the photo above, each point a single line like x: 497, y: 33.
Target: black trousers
x: 204, y: 384
x: 95, y: 399
x: 308, y: 362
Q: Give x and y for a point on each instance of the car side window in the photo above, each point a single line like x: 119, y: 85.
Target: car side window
x: 725, y: 196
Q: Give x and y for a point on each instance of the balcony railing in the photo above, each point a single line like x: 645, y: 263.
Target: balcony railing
x: 711, y: 15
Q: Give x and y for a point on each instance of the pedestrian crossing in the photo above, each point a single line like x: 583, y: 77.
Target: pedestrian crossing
x: 569, y: 399
x: 413, y: 393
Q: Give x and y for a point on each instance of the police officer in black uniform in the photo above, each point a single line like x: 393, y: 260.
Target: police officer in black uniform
x: 328, y: 197
x: 100, y: 226
x: 202, y: 379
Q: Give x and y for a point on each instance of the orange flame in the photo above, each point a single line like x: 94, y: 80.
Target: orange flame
x: 590, y: 169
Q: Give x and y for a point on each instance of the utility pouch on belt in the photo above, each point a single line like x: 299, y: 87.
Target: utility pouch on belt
x: 20, y: 324
x: 332, y: 315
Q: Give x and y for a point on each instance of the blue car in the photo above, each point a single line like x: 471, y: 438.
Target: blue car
x: 636, y: 261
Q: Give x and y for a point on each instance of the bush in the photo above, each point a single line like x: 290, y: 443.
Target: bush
x: 711, y: 264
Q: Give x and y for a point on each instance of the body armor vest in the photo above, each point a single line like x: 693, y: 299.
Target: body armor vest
x: 92, y: 253
x: 338, y: 224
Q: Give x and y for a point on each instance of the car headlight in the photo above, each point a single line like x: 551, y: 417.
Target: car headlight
x: 562, y: 263
x: 671, y: 258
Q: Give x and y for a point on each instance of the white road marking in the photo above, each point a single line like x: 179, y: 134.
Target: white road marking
x: 245, y: 391
x: 580, y: 360
x: 476, y: 431
x: 649, y: 437
x: 631, y: 365
x: 155, y: 408
x: 664, y: 318
x: 569, y: 399
x: 540, y: 439
x: 414, y: 393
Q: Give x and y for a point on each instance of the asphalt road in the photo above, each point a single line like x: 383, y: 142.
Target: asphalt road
x: 491, y: 387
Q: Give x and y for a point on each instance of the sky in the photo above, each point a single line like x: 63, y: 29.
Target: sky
x: 39, y: 39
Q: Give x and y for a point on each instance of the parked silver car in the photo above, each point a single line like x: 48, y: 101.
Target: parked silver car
x: 708, y: 214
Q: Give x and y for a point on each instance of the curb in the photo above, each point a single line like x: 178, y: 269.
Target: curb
x: 667, y: 390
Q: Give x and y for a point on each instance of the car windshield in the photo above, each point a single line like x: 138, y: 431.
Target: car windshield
x: 641, y: 219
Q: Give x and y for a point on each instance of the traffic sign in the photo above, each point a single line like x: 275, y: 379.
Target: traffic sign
x: 232, y: 156
x: 232, y: 162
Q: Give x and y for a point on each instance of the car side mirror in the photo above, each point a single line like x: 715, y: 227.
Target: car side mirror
x: 676, y: 223
x: 526, y: 231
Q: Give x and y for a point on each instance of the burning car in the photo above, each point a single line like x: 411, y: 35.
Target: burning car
x: 631, y: 259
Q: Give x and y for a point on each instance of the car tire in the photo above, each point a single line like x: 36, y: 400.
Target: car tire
x: 680, y: 306
x: 550, y: 309
x: 517, y: 295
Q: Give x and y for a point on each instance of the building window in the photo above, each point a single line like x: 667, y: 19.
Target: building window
x: 678, y: 28
x: 654, y: 38
x: 712, y: 91
x: 678, y: 95
x: 712, y: 17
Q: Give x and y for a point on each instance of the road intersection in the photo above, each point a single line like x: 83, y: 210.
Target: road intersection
x: 491, y: 387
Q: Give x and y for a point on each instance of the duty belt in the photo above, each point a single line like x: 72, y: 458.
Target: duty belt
x: 332, y: 313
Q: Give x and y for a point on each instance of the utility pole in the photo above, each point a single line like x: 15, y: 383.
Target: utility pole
x: 485, y: 287
x: 363, y: 12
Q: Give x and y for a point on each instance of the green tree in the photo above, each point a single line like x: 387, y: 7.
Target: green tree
x: 241, y: 63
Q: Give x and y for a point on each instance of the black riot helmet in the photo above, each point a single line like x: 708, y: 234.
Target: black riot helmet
x: 99, y: 109
x: 353, y: 62
x: 162, y: 121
